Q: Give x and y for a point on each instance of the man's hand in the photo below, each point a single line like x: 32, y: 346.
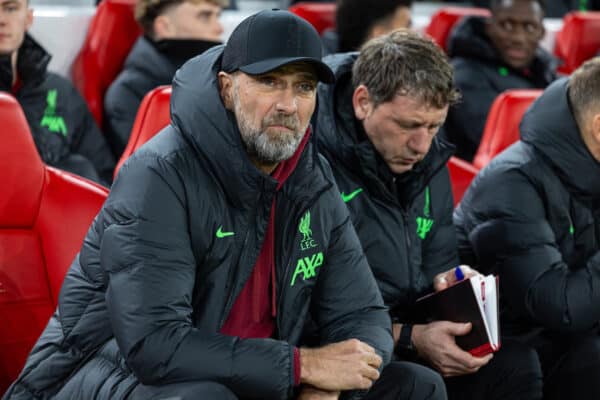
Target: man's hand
x: 446, y: 279
x: 435, y: 343
x: 347, y: 365
x: 312, y: 393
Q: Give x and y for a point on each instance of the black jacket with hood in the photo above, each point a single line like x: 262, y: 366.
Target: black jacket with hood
x: 149, y: 65
x: 480, y: 75
x: 63, y: 129
x: 533, y: 217
x: 404, y: 222
x: 153, y: 284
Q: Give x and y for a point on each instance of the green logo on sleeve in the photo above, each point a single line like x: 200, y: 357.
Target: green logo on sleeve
x: 350, y: 196
x: 50, y: 120
x: 306, y: 266
x: 307, y: 241
x: 221, y: 234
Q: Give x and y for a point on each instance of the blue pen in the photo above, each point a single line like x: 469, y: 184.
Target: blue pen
x: 458, y: 274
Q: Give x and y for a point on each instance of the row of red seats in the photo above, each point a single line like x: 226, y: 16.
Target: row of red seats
x: 577, y: 41
x: 113, y: 31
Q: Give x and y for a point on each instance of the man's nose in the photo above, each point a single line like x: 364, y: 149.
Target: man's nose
x: 287, y: 102
x: 420, y: 142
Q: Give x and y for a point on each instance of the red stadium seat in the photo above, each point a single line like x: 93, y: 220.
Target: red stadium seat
x: 502, y: 124
x: 461, y: 175
x: 444, y: 19
x: 44, y: 215
x: 578, y: 39
x: 152, y: 116
x: 111, y: 34
x: 320, y: 15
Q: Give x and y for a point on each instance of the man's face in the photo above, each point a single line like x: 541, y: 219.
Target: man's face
x: 273, y: 110
x: 193, y: 21
x: 401, y: 130
x: 516, y: 29
x: 15, y: 19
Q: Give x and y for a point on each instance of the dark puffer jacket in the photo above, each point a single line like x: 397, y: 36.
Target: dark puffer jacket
x: 63, y: 129
x: 154, y: 282
x: 149, y: 65
x: 404, y: 222
x: 533, y: 217
x: 481, y: 76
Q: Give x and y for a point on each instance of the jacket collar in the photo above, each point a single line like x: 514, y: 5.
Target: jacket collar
x: 32, y: 64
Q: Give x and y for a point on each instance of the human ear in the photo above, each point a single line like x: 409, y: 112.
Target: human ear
x: 361, y: 102
x: 226, y: 89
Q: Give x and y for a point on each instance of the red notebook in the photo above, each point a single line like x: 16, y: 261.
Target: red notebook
x: 472, y: 300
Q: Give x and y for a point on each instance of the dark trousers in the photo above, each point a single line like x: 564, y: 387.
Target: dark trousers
x: 407, y: 381
x: 182, y: 391
x: 514, y: 373
x: 571, y: 367
x: 398, y: 381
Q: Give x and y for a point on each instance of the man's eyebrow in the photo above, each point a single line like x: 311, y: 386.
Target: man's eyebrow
x: 308, y: 76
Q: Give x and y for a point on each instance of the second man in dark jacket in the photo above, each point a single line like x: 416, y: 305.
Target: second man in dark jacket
x: 377, y: 126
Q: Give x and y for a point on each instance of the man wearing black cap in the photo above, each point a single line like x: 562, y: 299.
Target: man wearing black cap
x: 220, y: 239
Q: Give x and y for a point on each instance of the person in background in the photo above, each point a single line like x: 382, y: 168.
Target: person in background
x: 358, y: 21
x: 377, y: 128
x: 219, y: 239
x: 174, y: 32
x: 489, y: 56
x: 557, y: 8
x: 63, y: 129
x: 532, y: 216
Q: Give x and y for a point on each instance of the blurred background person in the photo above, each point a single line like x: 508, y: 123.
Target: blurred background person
x: 174, y: 31
x: 358, y: 21
x: 489, y: 56
x: 62, y: 126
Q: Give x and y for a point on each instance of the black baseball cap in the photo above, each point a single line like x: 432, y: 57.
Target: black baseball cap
x: 270, y: 39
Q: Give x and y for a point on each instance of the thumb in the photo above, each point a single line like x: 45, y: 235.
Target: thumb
x: 459, y: 329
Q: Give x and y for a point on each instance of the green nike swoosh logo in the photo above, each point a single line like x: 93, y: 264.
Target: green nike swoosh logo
x: 350, y: 196
x: 221, y: 234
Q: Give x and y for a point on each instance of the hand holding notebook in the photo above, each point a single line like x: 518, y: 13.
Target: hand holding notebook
x: 469, y: 300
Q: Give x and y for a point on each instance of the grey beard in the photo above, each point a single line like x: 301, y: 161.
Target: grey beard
x: 257, y: 142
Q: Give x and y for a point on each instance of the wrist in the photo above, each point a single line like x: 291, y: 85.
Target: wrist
x: 305, y: 368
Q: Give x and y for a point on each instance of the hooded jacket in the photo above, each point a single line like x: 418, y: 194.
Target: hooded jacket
x: 481, y: 76
x: 404, y: 222
x: 155, y: 280
x: 63, y: 129
x: 148, y: 65
x: 533, y: 217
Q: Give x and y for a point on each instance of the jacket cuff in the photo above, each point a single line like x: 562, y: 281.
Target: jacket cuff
x: 296, y: 366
